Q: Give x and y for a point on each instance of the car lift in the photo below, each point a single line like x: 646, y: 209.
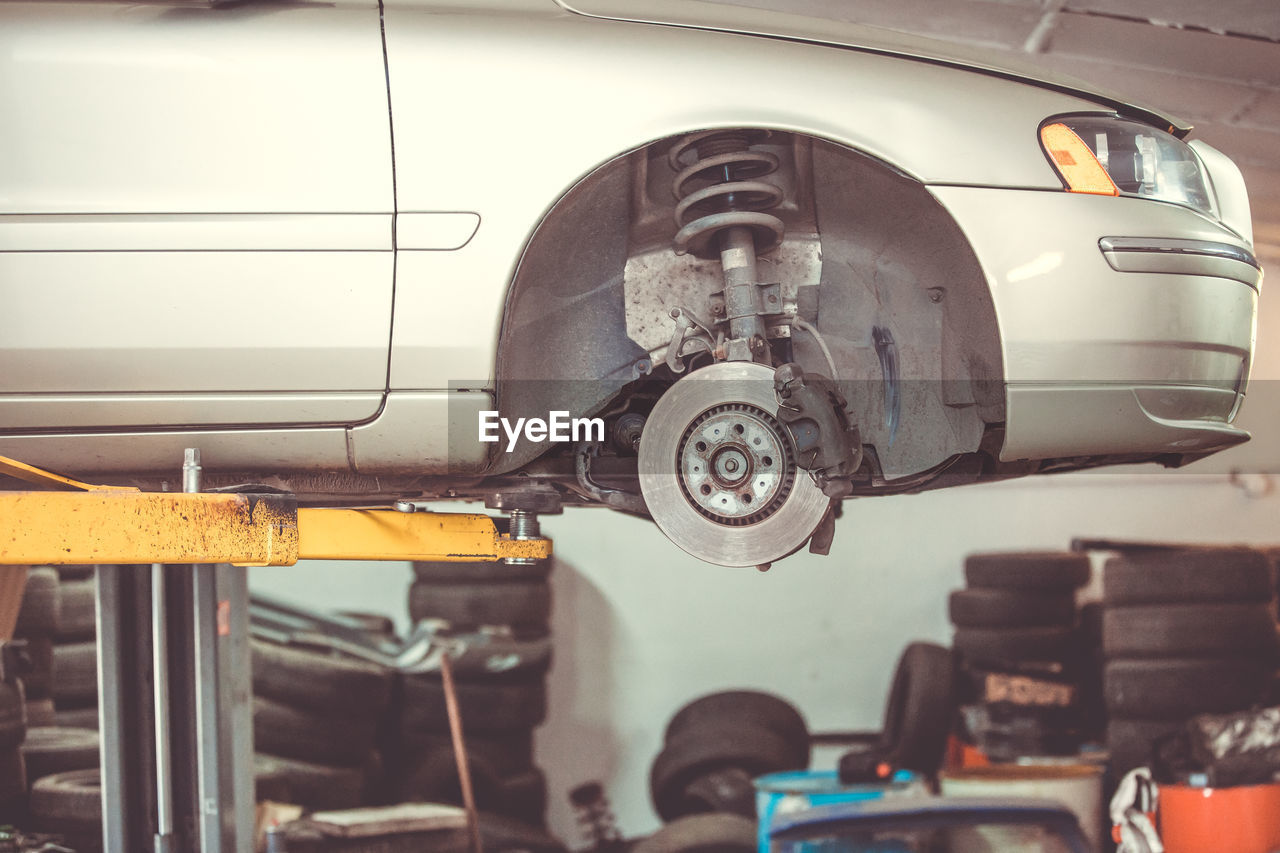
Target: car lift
x: 177, y: 731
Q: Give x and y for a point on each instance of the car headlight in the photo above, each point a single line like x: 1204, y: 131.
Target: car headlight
x: 1116, y: 156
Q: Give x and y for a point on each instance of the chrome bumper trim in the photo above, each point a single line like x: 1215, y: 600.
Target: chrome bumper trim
x: 1187, y: 257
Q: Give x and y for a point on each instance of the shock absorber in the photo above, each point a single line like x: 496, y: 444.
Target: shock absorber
x: 721, y: 212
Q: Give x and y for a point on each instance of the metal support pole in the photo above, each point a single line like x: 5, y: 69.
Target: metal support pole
x: 124, y: 706
x: 160, y: 695
x: 236, y: 697
x: 223, y: 697
x: 116, y: 807
x: 204, y: 608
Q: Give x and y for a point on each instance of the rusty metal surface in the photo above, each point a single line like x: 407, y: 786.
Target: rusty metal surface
x: 102, y: 524
x: 147, y: 527
x: 356, y: 534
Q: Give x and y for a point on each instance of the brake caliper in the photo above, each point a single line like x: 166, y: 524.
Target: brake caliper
x: 828, y: 444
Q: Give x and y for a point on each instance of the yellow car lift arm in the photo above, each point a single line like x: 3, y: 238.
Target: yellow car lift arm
x: 109, y: 524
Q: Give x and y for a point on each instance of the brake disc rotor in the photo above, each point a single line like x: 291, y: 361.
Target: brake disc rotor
x: 718, y: 471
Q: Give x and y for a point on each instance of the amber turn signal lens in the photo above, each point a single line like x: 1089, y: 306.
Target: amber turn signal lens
x: 1075, y: 162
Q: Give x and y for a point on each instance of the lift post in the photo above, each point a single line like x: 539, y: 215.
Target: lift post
x: 173, y: 655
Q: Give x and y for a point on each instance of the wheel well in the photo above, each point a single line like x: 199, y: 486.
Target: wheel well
x: 866, y: 248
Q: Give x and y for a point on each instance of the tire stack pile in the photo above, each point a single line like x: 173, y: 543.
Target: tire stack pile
x: 13, y: 728
x: 315, y: 720
x: 37, y: 625
x: 1022, y: 658
x: 1184, y: 632
x: 701, y: 782
x: 56, y: 620
x: 501, y: 701
x: 75, y: 651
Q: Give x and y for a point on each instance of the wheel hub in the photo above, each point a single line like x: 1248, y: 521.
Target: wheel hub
x: 734, y: 463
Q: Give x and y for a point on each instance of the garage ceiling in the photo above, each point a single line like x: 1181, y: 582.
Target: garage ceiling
x: 1217, y: 64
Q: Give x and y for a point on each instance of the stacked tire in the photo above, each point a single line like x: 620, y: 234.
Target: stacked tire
x: 316, y: 716
x: 13, y: 729
x: 50, y: 758
x: 74, y: 686
x: 501, y: 701
x: 713, y: 749
x: 37, y: 626
x: 1022, y: 658
x: 1184, y: 632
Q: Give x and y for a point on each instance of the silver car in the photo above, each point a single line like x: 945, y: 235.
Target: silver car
x: 717, y: 266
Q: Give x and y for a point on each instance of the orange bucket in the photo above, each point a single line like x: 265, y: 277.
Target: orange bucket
x: 1241, y: 820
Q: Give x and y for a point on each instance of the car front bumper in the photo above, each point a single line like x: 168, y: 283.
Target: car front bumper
x: 1127, y: 326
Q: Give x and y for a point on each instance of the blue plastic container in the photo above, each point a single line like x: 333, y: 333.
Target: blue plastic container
x: 780, y: 794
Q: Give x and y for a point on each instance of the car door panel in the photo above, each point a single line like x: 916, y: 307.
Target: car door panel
x: 195, y: 214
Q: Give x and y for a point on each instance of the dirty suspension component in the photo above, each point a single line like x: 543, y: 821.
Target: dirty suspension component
x: 721, y: 212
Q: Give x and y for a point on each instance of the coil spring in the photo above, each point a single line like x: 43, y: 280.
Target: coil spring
x: 718, y: 188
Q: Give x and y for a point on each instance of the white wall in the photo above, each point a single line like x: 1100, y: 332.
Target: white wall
x: 640, y: 627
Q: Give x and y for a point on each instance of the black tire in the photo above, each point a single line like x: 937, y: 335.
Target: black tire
x: 315, y: 787
x: 39, y: 682
x: 696, y: 752
x: 434, y: 572
x: 434, y: 779
x: 270, y: 783
x: 1164, y: 689
x: 703, y: 833
x: 77, y: 620
x: 38, y: 614
x: 524, y: 797
x: 324, y: 684
x: 13, y: 726
x: 1016, y: 644
x: 1273, y: 691
x: 1131, y: 741
x: 75, y: 572
x: 524, y: 606
x: 40, y: 714
x: 1175, y: 630
x: 289, y: 733
x: 75, y: 674
x: 920, y: 710
x: 76, y: 718
x: 1194, y: 576
x: 1042, y: 571
x: 13, y: 785
x: 48, y: 751
x: 485, y: 707
x: 750, y: 708
x: 508, y: 753
x: 729, y: 789
x: 69, y: 804
x: 1009, y: 608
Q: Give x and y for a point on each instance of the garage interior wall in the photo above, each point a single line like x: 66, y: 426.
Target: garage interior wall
x: 640, y: 628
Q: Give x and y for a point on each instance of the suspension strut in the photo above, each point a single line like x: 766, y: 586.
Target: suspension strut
x: 721, y: 212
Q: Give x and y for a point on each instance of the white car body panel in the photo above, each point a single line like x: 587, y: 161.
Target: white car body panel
x: 194, y: 200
